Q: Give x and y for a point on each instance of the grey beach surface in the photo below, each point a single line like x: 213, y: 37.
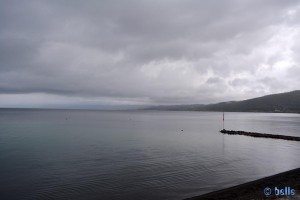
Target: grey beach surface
x: 255, y: 189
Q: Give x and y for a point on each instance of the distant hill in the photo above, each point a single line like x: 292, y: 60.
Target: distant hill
x: 288, y: 102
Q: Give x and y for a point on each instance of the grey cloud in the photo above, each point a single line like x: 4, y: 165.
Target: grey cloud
x: 214, y: 80
x: 153, y: 51
x: 239, y: 82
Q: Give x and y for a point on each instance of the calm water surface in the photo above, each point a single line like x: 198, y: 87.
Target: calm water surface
x: 65, y: 154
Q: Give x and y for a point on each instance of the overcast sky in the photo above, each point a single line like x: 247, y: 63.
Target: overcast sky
x: 136, y: 52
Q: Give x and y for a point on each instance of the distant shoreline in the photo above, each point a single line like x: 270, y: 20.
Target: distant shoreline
x: 255, y: 189
x: 288, y: 102
x: 143, y: 109
x: 150, y: 109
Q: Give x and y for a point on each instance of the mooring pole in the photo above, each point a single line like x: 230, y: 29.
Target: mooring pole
x: 223, y: 120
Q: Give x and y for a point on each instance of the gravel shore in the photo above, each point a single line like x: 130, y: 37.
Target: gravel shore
x: 255, y: 189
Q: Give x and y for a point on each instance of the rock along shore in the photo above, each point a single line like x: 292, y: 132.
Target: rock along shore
x: 261, y: 135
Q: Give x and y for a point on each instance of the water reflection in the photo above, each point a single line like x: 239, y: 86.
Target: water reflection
x: 141, y: 154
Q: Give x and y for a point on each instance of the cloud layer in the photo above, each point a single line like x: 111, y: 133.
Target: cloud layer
x: 146, y: 52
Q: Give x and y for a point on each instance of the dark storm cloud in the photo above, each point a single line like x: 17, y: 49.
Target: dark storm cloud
x: 148, y: 51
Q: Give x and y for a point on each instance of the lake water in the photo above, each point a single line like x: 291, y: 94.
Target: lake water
x: 65, y: 154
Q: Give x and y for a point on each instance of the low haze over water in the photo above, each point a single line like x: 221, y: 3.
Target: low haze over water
x: 76, y: 154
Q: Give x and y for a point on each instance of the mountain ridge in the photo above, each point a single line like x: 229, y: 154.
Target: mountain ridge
x: 287, y: 102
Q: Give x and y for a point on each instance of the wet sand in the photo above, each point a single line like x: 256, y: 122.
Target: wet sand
x: 255, y: 189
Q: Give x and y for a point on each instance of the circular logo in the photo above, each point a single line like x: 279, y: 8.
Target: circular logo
x: 267, y: 191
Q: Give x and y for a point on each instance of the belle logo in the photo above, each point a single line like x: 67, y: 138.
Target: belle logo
x: 287, y: 191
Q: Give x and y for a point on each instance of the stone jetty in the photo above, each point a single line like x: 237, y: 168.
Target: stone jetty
x: 261, y: 135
